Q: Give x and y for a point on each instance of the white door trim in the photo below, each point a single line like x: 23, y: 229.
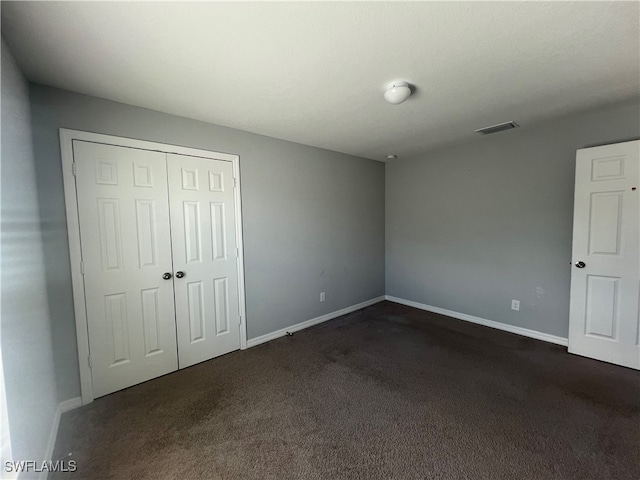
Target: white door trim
x: 73, y: 228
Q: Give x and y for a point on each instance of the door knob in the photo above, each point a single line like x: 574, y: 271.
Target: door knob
x: 179, y: 274
x: 581, y: 264
x: 166, y: 276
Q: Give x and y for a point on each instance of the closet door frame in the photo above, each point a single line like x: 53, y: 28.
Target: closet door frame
x: 67, y: 137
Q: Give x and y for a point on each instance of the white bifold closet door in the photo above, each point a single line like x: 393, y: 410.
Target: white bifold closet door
x: 159, y: 256
x: 123, y: 211
x: 205, y: 256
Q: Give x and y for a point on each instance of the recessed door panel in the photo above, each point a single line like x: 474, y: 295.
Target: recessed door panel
x: 190, y: 179
x: 143, y: 175
x: 106, y: 170
x: 216, y: 181
x: 207, y: 306
x: 608, y: 168
x: 117, y: 326
x: 192, y: 231
x: 602, y: 306
x: 196, y: 311
x: 146, y: 226
x: 218, y: 233
x: 221, y: 301
x: 151, y: 319
x: 110, y: 234
x: 126, y: 247
x: 605, y: 275
x: 605, y: 223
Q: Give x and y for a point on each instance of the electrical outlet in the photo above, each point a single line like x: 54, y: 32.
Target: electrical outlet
x: 515, y: 305
x: 322, y: 296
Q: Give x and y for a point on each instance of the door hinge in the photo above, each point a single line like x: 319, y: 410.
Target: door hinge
x: 89, y: 360
x: 235, y: 182
x: 74, y: 169
x: 82, y: 267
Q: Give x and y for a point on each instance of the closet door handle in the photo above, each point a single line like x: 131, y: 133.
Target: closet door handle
x: 179, y: 274
x: 166, y: 276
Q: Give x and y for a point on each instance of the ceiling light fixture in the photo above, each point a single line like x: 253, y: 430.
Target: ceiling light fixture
x: 397, y: 92
x: 391, y: 157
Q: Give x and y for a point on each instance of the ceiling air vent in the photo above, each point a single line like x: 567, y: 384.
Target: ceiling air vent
x: 497, y: 128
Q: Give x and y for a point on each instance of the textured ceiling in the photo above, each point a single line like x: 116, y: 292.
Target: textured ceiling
x: 314, y: 73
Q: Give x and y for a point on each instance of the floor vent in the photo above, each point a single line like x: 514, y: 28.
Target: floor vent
x: 497, y: 128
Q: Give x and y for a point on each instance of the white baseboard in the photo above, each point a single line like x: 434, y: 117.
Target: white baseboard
x: 62, y: 407
x: 314, y: 321
x: 483, y: 321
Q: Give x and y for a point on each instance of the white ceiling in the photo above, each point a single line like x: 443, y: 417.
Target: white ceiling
x: 314, y: 73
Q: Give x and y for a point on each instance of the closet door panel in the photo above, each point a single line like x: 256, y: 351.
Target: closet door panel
x: 205, y: 251
x: 123, y: 213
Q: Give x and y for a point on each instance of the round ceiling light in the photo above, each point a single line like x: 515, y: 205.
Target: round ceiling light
x: 397, y: 92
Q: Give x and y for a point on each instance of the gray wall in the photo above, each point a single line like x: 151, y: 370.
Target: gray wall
x: 471, y: 227
x: 25, y: 329
x: 313, y: 219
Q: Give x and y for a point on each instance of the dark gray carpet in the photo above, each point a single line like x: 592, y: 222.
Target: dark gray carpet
x: 389, y: 392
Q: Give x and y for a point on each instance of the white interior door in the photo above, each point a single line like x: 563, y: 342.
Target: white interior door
x: 205, y: 257
x: 126, y: 248
x: 605, y: 280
